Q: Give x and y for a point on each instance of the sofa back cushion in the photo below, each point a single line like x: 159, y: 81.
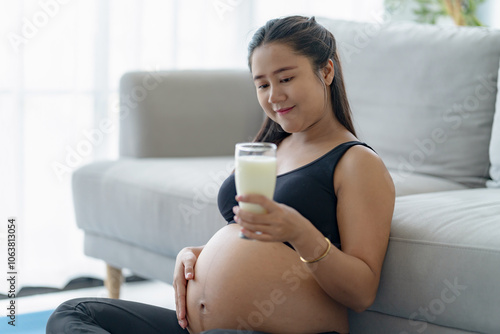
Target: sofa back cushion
x: 187, y: 113
x: 495, y: 145
x: 422, y: 96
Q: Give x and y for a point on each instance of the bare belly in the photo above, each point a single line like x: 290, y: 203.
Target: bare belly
x: 252, y: 285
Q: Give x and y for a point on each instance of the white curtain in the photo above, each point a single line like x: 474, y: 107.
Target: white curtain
x: 60, y: 66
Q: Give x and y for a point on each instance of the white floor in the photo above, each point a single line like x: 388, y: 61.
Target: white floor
x: 150, y: 292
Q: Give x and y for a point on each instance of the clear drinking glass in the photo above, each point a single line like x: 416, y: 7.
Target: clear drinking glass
x: 255, y: 172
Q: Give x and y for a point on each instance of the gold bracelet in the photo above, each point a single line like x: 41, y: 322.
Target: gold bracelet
x: 322, y: 256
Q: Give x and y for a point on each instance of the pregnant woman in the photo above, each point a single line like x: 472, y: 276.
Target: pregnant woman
x: 319, y: 248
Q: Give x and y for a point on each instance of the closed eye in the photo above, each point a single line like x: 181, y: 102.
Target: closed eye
x: 286, y: 80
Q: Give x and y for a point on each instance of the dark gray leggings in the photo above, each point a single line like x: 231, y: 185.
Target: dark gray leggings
x: 116, y: 316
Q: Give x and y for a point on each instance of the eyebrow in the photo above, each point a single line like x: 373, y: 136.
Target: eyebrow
x: 257, y: 77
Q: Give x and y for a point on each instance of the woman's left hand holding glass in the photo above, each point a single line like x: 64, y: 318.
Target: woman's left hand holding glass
x: 279, y: 223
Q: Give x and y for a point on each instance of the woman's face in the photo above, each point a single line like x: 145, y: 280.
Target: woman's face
x: 288, y: 89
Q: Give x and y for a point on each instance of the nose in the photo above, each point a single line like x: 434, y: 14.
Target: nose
x: 276, y: 95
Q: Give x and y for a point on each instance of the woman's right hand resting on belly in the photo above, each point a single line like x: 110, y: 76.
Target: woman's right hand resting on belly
x: 184, y: 271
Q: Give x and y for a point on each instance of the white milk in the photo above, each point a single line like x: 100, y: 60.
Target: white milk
x: 255, y: 175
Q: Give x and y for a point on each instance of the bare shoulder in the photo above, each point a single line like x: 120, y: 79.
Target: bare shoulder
x: 359, y: 153
x: 361, y: 166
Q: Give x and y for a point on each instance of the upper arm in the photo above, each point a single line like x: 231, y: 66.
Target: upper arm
x: 365, y: 204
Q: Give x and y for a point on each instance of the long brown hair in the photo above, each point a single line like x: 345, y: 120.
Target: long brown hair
x: 308, y: 38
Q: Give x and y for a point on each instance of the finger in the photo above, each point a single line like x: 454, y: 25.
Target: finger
x: 180, y: 297
x: 188, y: 272
x: 181, y: 307
x: 263, y: 233
x: 253, y: 226
x: 262, y: 200
x: 251, y: 217
x: 176, y: 301
x: 183, y: 323
x: 256, y: 235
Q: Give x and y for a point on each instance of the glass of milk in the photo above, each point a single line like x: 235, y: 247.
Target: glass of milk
x: 255, y: 172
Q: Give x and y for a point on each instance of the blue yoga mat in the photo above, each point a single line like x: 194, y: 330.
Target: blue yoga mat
x: 29, y: 323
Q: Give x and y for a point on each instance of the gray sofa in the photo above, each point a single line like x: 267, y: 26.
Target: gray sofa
x: 424, y: 97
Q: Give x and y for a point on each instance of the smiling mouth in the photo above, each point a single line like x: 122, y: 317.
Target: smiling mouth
x: 284, y: 111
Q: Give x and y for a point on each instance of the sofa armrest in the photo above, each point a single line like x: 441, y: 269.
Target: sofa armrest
x: 186, y: 113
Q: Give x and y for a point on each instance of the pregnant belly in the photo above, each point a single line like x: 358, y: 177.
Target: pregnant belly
x: 251, y: 285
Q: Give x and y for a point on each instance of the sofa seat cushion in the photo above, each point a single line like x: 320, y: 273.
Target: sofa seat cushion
x: 161, y: 205
x: 443, y: 261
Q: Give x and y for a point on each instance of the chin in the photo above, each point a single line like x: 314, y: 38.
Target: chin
x: 290, y: 129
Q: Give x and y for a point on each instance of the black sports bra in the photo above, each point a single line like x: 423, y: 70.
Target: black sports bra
x: 308, y: 189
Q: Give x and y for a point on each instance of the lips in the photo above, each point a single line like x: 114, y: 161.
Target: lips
x: 284, y: 111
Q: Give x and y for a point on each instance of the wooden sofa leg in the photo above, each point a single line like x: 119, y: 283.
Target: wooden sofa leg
x: 113, y: 281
